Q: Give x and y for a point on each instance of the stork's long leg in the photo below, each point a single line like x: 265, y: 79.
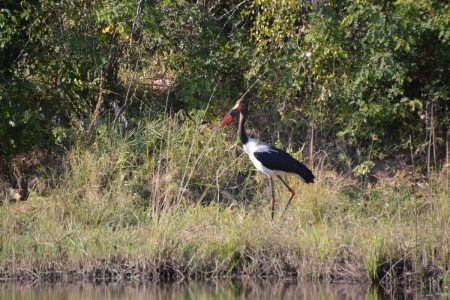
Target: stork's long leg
x: 290, y: 190
x: 272, y: 202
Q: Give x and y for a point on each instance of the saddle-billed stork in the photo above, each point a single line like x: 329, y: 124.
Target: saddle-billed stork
x: 266, y: 158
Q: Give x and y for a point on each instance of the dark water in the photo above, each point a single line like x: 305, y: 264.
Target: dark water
x: 206, y: 290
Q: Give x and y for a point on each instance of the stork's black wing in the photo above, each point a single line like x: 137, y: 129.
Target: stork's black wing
x: 279, y: 160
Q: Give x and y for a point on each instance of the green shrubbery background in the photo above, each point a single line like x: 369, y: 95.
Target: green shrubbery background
x: 365, y: 79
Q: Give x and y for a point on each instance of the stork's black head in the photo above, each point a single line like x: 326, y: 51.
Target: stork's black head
x: 239, y: 107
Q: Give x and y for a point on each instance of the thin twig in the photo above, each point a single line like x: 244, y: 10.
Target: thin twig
x: 231, y: 11
x: 253, y: 84
x: 415, y: 198
x: 133, y: 75
x: 191, y: 149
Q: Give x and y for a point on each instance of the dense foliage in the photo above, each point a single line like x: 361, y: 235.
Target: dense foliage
x: 366, y: 76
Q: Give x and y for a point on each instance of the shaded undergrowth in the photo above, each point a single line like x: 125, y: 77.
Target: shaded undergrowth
x: 177, y: 199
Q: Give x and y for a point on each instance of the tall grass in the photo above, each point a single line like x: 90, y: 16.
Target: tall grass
x: 178, y: 198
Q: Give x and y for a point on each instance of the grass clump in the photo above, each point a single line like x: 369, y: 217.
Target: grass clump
x: 175, y: 198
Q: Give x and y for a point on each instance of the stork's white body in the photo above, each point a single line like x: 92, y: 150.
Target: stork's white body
x: 268, y: 160
x: 254, y: 145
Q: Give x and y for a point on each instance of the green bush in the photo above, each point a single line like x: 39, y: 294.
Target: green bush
x: 369, y: 75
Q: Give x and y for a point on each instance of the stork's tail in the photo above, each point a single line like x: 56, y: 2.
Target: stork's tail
x: 304, y: 173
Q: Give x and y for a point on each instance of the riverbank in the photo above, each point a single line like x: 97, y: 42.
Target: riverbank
x: 162, y: 207
x: 318, y: 243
